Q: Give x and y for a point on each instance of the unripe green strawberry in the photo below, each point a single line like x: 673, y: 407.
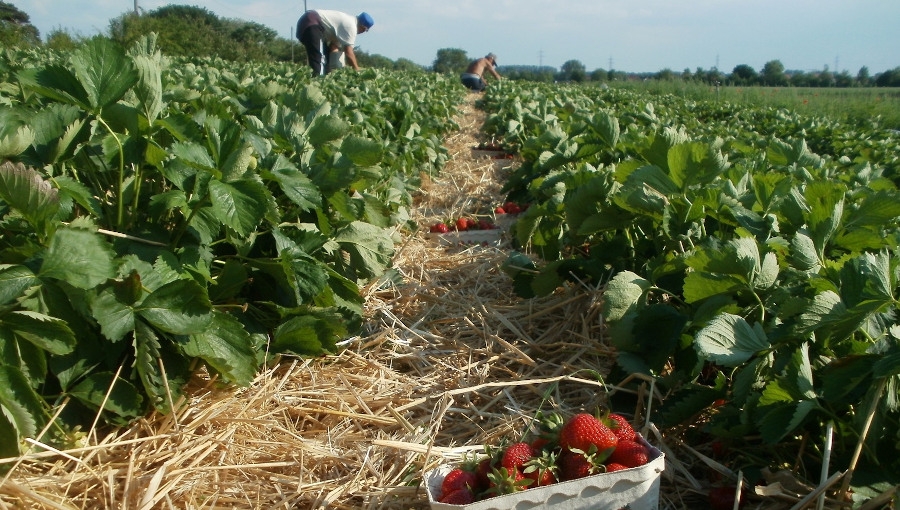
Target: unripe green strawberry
x: 584, y: 431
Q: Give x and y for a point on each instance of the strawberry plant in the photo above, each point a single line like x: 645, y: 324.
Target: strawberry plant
x: 158, y: 214
x: 749, y: 258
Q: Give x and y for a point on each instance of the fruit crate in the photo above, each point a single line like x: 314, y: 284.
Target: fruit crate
x: 634, y: 488
x: 491, y: 237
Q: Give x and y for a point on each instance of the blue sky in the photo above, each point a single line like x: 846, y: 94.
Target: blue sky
x: 626, y: 35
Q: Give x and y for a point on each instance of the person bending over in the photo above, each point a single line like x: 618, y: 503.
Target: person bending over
x: 329, y: 36
x: 473, y: 78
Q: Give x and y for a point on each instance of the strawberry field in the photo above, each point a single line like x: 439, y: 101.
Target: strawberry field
x: 223, y: 284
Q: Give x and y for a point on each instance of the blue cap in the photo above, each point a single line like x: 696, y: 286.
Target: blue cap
x: 365, y: 20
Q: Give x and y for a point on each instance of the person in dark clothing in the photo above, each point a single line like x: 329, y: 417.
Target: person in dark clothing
x: 329, y: 36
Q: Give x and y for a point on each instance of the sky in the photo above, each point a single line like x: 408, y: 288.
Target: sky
x: 626, y: 35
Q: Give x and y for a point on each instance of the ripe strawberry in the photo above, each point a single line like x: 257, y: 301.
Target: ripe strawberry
x: 485, y: 466
x: 576, y: 464
x: 614, y: 466
x: 471, y: 224
x: 457, y: 479
x: 620, y: 426
x: 504, y: 481
x: 462, y: 225
x: 439, y: 228
x: 458, y: 497
x: 628, y: 453
x: 541, y: 470
x: 584, y: 431
x: 515, y: 456
x: 512, y: 208
x: 485, y: 225
x: 499, y: 210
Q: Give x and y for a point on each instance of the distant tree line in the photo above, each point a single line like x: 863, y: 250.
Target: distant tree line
x: 195, y: 31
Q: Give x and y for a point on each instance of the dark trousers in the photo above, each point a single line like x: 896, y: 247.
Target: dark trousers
x: 312, y: 35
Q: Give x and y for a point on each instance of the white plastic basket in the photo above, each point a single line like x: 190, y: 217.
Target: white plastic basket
x: 634, y: 488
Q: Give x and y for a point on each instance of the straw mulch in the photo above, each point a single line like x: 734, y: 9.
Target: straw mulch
x: 450, y: 359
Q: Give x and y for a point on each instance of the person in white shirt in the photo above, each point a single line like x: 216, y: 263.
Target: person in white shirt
x: 329, y: 36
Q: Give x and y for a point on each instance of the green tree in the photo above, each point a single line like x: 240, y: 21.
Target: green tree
x: 572, y: 70
x: 61, y: 40
x: 16, y: 28
x: 195, y: 31
x: 405, y: 64
x: 773, y: 74
x: 450, y: 61
x: 890, y: 78
x: 862, y: 77
x: 744, y: 75
x: 665, y: 75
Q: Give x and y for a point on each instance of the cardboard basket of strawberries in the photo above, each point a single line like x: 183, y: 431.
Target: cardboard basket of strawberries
x: 467, y: 231
x: 584, y: 461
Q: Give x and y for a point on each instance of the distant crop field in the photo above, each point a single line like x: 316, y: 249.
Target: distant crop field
x: 858, y: 105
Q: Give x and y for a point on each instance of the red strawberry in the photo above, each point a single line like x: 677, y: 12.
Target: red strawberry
x: 620, y: 426
x: 542, y: 469
x: 462, y: 225
x: 629, y: 453
x: 481, y: 472
x: 574, y: 465
x: 504, y: 481
x: 584, y: 431
x: 499, y: 210
x: 471, y: 224
x: 614, y: 466
x: 457, y: 479
x: 485, y: 225
x: 439, y: 228
x: 515, y: 456
x: 458, y: 497
x: 512, y: 208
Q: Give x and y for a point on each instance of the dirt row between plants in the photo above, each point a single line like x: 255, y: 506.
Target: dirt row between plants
x: 450, y: 360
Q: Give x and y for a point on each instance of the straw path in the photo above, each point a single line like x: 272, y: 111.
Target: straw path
x: 450, y: 360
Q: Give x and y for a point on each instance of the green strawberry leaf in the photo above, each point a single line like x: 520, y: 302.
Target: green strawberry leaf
x: 226, y: 346
x: 79, y: 257
x: 181, y: 307
x: 102, y: 390
x: 730, y: 340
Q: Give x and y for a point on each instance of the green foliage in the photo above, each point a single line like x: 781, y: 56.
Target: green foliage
x: 452, y: 61
x: 16, y: 28
x: 752, y: 253
x: 158, y: 214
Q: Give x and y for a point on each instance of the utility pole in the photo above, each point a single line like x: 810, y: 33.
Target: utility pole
x: 135, y: 7
x: 541, y: 59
